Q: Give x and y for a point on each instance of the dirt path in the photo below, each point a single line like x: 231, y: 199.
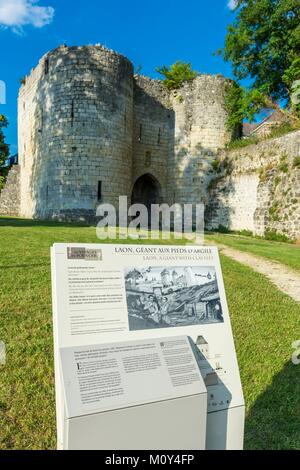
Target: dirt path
x: 284, y: 278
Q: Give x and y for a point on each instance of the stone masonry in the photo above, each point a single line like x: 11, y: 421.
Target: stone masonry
x: 91, y: 131
x: 257, y: 188
x: 10, y: 195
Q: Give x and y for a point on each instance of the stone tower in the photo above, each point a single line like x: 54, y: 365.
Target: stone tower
x: 75, y: 132
x: 89, y: 131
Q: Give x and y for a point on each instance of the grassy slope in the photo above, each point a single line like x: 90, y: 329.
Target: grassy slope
x: 265, y: 323
x: 285, y: 253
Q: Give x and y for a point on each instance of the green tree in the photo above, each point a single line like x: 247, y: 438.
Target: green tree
x: 4, y: 149
x: 176, y: 74
x: 291, y: 78
x: 263, y: 43
x: 242, y: 104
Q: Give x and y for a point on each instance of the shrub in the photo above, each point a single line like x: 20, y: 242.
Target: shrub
x: 273, y: 235
x: 222, y: 229
x: 245, y: 233
x: 176, y: 74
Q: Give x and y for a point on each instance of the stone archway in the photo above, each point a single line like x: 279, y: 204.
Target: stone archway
x: 147, y: 191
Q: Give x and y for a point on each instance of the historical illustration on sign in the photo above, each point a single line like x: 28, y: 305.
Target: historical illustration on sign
x: 163, y: 297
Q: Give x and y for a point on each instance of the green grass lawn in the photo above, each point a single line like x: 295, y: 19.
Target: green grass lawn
x: 265, y: 323
x: 285, y: 253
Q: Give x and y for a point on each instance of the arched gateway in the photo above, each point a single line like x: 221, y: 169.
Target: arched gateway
x: 147, y: 191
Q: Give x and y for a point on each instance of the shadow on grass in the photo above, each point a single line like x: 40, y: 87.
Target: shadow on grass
x: 273, y: 422
x: 25, y: 266
x: 13, y: 222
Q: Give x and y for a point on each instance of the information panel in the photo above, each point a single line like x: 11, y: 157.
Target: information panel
x: 114, y: 293
x: 120, y: 375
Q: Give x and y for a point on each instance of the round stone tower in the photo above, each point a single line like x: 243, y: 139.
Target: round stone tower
x: 75, y: 133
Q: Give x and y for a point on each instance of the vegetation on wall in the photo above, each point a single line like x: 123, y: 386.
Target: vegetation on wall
x: 296, y: 162
x: 4, y: 149
x: 176, y: 74
x: 283, y: 164
x: 283, y: 199
x: 276, y: 131
x: 240, y: 143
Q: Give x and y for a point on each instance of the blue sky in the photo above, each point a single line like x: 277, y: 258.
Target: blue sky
x: 148, y: 32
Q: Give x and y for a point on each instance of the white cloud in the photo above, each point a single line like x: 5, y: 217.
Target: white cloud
x: 232, y: 4
x: 15, y: 14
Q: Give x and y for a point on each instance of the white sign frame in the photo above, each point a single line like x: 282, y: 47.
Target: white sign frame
x: 226, y: 408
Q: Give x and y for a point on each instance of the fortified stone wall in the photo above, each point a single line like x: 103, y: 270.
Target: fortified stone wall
x: 177, y: 134
x: 10, y: 194
x: 29, y: 140
x: 153, y: 131
x: 89, y: 131
x: 257, y: 188
x: 200, y: 131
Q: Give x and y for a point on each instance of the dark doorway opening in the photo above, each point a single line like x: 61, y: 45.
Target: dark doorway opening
x: 147, y: 191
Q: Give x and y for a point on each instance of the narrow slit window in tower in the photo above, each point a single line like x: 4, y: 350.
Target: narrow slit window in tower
x: 99, y: 190
x: 72, y: 113
x: 40, y: 130
x: 46, y: 66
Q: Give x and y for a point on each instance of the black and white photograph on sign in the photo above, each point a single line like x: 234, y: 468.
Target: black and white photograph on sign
x: 163, y: 297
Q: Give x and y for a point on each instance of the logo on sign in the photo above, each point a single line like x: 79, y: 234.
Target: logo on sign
x: 84, y: 254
